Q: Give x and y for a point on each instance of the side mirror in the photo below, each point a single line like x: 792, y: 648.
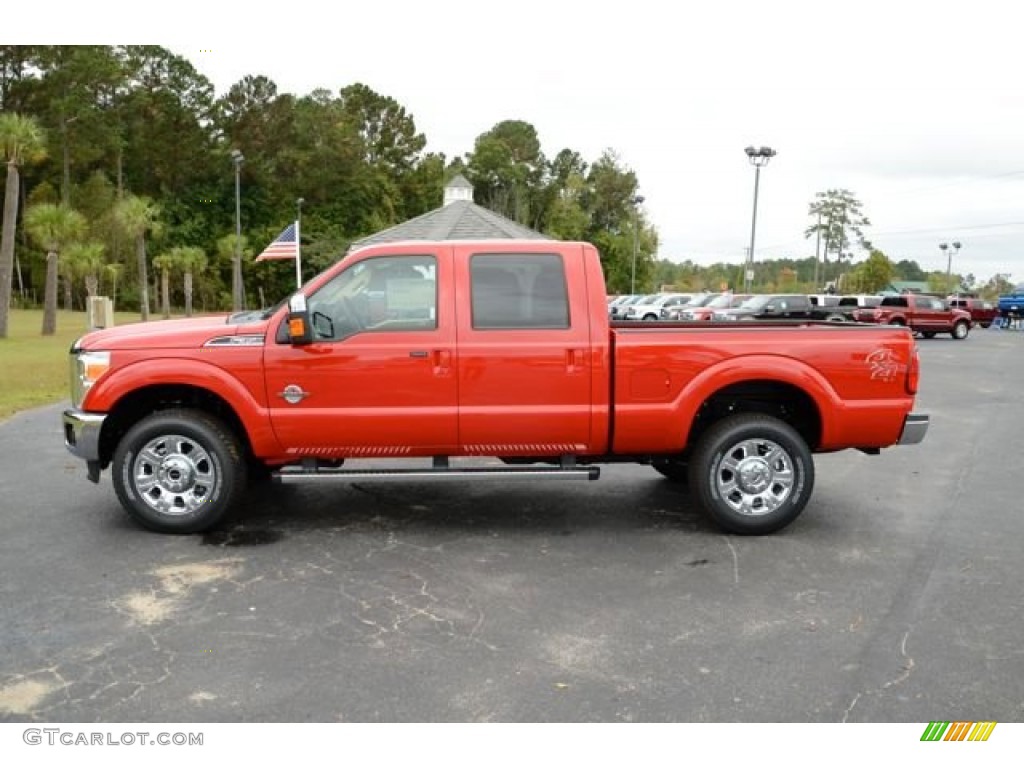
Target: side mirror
x: 299, y: 330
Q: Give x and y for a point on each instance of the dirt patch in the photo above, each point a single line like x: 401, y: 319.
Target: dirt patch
x: 23, y: 697
x: 179, y: 579
x: 175, y: 582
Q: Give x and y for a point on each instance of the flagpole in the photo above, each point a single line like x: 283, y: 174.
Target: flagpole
x: 298, y: 257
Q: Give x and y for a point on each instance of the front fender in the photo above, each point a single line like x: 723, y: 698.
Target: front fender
x: 243, y: 389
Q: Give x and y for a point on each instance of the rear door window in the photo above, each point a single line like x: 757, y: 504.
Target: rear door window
x: 512, y: 291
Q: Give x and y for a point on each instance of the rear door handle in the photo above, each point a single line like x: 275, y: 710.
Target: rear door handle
x: 419, y: 353
x: 442, y: 362
x: 575, y: 360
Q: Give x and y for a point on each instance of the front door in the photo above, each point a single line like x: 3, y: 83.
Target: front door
x: 379, y: 378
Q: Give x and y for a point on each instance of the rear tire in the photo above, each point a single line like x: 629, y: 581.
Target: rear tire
x: 753, y: 473
x: 179, y: 471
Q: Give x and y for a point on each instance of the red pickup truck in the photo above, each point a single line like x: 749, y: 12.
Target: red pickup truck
x: 503, y: 349
x: 927, y: 315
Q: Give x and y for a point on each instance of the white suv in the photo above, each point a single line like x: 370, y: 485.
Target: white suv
x: 657, y: 307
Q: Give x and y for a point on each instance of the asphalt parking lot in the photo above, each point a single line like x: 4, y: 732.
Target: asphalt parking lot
x: 895, y: 597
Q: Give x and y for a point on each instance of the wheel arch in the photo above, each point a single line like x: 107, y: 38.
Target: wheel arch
x: 784, y: 400
x: 138, y: 403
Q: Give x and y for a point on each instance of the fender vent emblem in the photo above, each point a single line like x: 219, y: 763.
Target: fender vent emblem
x: 293, y: 394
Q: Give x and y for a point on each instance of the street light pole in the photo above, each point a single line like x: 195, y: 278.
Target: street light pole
x: 298, y: 242
x: 236, y: 267
x: 817, y: 250
x: 949, y: 261
x: 637, y: 202
x: 759, y: 157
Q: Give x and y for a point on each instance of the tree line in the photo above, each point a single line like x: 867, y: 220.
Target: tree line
x: 121, y: 165
x: 121, y: 179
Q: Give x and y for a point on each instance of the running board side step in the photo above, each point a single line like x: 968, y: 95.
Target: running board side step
x: 302, y: 475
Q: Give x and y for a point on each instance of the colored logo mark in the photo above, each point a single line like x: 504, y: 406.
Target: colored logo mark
x: 946, y: 731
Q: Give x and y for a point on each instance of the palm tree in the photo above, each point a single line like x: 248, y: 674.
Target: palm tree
x: 137, y: 216
x: 226, y: 250
x: 194, y: 263
x: 87, y: 260
x: 66, y: 269
x: 21, y: 141
x: 53, y: 227
x: 112, y: 271
x: 166, y: 263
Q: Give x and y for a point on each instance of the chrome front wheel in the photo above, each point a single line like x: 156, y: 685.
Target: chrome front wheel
x: 174, y: 475
x: 178, y: 471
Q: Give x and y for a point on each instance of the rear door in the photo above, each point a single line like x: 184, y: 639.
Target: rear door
x: 930, y: 314
x: 524, y: 363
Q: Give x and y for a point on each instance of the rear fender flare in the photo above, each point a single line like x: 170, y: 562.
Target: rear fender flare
x: 774, y: 368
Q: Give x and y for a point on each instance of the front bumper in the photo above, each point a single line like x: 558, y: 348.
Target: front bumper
x: 82, y: 438
x: 915, y: 425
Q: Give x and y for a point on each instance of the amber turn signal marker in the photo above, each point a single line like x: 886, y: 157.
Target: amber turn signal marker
x: 94, y: 370
x: 296, y: 327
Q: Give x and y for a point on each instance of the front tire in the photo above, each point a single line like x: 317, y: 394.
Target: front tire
x: 179, y: 471
x: 960, y: 331
x: 753, y: 473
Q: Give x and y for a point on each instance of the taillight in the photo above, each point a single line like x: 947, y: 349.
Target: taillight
x: 913, y: 372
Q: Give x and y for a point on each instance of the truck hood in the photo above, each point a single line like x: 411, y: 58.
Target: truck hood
x: 186, y: 333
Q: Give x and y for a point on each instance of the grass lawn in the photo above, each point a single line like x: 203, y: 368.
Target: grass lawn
x: 33, y: 367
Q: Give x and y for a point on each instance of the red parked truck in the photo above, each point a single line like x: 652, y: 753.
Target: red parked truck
x: 432, y: 350
x: 927, y: 315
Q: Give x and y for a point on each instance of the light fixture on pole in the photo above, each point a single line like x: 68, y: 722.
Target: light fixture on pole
x: 637, y: 202
x: 946, y: 249
x: 236, y: 267
x: 759, y: 157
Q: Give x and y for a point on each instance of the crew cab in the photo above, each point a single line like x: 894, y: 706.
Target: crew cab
x: 430, y: 351
x: 927, y: 315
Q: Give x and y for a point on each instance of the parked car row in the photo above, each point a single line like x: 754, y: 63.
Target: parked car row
x: 922, y: 313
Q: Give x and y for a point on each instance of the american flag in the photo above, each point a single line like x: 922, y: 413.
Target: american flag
x: 285, y: 246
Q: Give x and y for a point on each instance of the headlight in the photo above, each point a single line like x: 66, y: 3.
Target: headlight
x: 86, y: 369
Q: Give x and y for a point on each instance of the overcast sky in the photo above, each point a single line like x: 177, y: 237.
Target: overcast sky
x: 917, y: 108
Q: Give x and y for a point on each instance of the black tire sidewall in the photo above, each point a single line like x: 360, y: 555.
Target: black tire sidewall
x: 714, y: 446
x: 215, y: 439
